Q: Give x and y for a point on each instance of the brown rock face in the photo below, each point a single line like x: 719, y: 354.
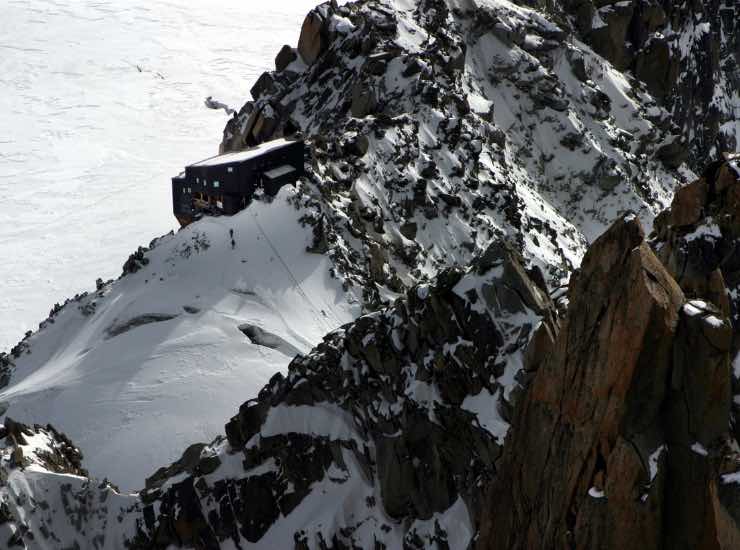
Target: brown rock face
x: 688, y: 205
x: 584, y: 426
x: 262, y: 125
x: 313, y: 41
x: 698, y: 239
x: 618, y: 440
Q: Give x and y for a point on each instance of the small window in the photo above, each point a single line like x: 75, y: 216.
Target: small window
x: 230, y: 169
x: 216, y: 185
x: 197, y: 180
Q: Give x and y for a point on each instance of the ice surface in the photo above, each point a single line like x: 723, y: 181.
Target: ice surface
x: 100, y: 104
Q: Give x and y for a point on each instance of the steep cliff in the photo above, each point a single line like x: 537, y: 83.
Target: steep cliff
x: 625, y: 437
x: 503, y: 365
x: 686, y: 54
x: 467, y: 414
x: 437, y: 127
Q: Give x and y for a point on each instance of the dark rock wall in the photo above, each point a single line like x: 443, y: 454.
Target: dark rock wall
x: 618, y: 424
x: 687, y: 53
x: 455, y: 338
x: 625, y: 436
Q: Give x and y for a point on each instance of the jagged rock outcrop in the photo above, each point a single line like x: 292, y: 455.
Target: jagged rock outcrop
x: 468, y: 122
x: 315, y: 34
x: 397, y: 419
x: 686, y: 53
x: 46, y: 499
x: 459, y: 412
x: 575, y: 473
x: 624, y: 438
x: 698, y: 239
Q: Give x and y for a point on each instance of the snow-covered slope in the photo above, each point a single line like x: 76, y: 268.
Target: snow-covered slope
x: 463, y: 155
x: 440, y: 126
x: 686, y: 54
x: 445, y: 126
x: 382, y: 435
x: 144, y: 366
x: 100, y: 103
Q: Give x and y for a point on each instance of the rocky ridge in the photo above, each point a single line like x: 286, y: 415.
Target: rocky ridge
x: 437, y: 127
x: 687, y: 54
x: 626, y: 426
x: 626, y: 436
x: 388, y: 420
x: 425, y: 422
x: 616, y: 417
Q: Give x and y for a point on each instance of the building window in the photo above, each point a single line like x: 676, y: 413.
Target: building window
x: 197, y: 180
x: 230, y: 169
x: 216, y: 185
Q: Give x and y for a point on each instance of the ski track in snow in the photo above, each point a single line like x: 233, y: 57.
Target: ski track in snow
x: 88, y: 141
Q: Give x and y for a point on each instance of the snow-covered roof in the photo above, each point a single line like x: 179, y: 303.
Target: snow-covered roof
x: 281, y: 170
x: 240, y: 156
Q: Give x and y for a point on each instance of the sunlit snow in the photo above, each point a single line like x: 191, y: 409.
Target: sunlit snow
x: 102, y: 102
x: 140, y: 370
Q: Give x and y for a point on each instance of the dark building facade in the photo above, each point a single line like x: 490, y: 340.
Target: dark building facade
x: 225, y: 184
